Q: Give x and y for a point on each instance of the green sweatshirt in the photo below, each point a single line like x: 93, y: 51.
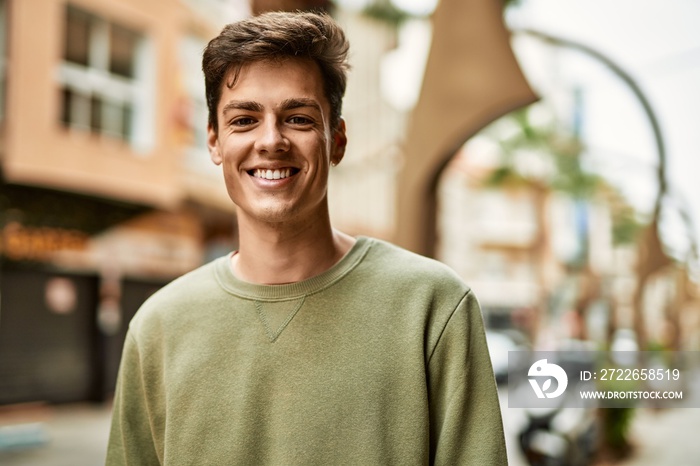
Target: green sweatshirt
x: 380, y: 360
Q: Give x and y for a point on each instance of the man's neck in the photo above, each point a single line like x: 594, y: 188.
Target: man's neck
x: 272, y: 255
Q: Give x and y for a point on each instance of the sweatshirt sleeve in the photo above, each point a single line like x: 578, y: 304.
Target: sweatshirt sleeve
x: 465, y: 416
x: 131, y: 441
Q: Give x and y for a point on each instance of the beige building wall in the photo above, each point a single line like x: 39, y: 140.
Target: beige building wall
x: 164, y: 168
x: 514, y: 243
x: 362, y: 189
x: 40, y: 150
x: 489, y: 237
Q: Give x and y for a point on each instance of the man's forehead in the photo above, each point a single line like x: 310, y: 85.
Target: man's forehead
x: 286, y: 104
x: 303, y: 73
x: 280, y: 66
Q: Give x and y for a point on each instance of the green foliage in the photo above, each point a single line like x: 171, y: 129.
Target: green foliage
x: 527, y: 143
x: 508, y: 3
x: 616, y: 423
x: 625, y: 225
x: 385, y: 11
x: 557, y: 149
x: 505, y: 176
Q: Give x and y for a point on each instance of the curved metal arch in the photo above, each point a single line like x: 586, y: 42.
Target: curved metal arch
x: 636, y: 90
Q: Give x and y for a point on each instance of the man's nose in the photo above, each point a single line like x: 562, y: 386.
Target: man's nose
x: 271, y: 139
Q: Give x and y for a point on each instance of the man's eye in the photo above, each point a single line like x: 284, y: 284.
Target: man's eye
x: 243, y: 121
x: 300, y: 120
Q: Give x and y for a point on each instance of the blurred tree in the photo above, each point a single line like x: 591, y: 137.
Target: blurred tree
x: 262, y: 6
x: 546, y: 158
x: 651, y: 254
x: 386, y: 11
x: 560, y: 151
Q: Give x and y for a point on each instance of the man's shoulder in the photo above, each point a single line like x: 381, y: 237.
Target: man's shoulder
x: 180, y: 294
x: 191, y: 284
x: 401, y: 265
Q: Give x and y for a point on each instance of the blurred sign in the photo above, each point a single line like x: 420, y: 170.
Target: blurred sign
x: 20, y: 242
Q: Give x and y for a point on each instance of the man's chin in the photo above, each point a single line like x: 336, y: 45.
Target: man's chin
x: 268, y: 214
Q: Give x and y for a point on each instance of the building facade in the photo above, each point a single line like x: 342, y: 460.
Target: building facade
x: 107, y: 191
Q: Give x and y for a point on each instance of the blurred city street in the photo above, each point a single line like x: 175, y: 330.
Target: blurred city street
x: 660, y: 438
x: 544, y: 150
x: 63, y: 435
x: 76, y: 435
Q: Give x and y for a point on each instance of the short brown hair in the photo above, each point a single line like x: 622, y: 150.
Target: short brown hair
x: 276, y: 36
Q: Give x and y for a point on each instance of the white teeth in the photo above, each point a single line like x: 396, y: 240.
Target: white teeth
x: 277, y: 174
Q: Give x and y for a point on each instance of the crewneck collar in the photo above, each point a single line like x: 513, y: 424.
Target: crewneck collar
x: 234, y: 285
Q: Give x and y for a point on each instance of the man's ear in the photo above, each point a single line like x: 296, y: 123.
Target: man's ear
x: 340, y: 141
x: 213, y: 145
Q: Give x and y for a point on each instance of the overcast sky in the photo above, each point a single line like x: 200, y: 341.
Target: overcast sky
x: 656, y: 42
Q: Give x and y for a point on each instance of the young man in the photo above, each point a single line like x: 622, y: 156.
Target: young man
x: 306, y: 346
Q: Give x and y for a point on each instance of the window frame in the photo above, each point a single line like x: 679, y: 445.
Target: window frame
x: 190, y: 50
x: 95, y: 82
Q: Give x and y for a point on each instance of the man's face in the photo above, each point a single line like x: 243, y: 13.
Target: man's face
x: 274, y: 141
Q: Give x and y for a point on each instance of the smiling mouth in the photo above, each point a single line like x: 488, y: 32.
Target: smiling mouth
x: 277, y: 174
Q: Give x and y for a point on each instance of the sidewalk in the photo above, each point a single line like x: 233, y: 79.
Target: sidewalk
x: 64, y: 435
x: 660, y: 438
x: 76, y: 435
x: 665, y: 438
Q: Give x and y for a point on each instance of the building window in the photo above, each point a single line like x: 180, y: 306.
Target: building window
x: 104, y: 77
x: 3, y: 56
x: 194, y: 112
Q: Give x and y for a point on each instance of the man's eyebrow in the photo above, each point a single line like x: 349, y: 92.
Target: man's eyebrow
x: 242, y: 105
x: 291, y: 104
